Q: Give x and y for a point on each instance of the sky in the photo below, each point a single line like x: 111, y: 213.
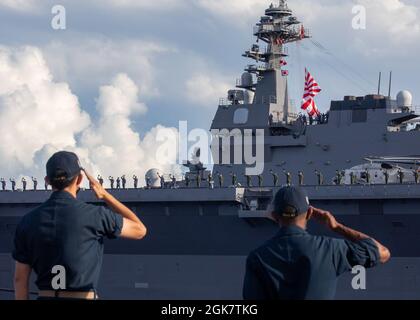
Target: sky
x: 124, y: 70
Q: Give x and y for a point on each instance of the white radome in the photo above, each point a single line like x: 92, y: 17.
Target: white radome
x: 152, y: 175
x: 405, y: 99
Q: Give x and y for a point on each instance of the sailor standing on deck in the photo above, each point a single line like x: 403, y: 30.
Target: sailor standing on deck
x: 260, y: 180
x: 400, y: 176
x: 210, y: 181
x: 416, y: 174
x: 13, y: 181
x: 3, y: 184
x: 187, y: 181
x: 221, y: 179
x: 67, y: 233
x: 35, y: 182
x: 301, y: 177
x: 320, y: 177
x: 367, y: 175
x: 24, y: 184
x: 136, y: 181
x: 288, y: 178
x: 111, y: 181
x: 101, y: 180
x: 386, y: 175
x: 275, y: 178
x: 124, y: 181
x: 162, y: 180
x: 295, y: 265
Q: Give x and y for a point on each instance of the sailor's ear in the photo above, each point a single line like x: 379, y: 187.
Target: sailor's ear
x: 79, y: 179
x: 47, y: 181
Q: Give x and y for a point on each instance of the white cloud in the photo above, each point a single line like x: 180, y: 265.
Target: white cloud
x: 19, y: 5
x: 114, y: 147
x: 39, y: 116
x: 34, y: 110
x: 88, y: 63
x: 204, y: 89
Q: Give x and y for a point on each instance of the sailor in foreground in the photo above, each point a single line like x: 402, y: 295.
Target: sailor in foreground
x: 295, y: 265
x: 67, y: 233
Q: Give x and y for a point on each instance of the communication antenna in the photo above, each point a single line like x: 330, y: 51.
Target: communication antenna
x: 390, y: 84
x: 379, y: 84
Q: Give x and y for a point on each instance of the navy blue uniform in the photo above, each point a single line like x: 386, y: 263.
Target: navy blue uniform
x: 295, y: 265
x: 66, y: 232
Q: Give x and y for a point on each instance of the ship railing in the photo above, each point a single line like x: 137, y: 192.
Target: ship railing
x: 284, y: 51
x: 416, y: 109
x: 241, y: 84
x: 263, y: 28
x: 225, y: 102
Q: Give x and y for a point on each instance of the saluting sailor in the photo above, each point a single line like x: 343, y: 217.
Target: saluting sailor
x: 416, y: 176
x: 35, y: 182
x: 301, y: 178
x: 101, y: 180
x: 111, y: 181
x: 386, y: 174
x: 288, y: 178
x: 162, y: 180
x: 275, y: 178
x: 401, y: 176
x: 221, y: 179
x: 210, y: 181
x: 13, y: 181
x: 320, y: 177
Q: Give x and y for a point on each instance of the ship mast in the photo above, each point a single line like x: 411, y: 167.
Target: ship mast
x: 276, y: 28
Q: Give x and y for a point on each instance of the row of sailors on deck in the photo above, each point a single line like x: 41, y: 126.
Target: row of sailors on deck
x: 198, y: 179
x: 322, y: 118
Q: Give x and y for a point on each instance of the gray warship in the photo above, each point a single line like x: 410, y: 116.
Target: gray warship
x: 357, y: 162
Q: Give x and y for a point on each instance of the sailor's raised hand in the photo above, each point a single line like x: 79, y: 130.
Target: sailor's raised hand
x: 97, y: 188
x: 324, y: 217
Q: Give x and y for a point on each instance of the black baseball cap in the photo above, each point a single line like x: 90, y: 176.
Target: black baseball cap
x: 63, y: 164
x: 291, y: 202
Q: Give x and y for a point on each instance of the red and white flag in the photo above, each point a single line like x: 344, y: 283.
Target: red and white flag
x: 312, y: 89
x: 302, y: 32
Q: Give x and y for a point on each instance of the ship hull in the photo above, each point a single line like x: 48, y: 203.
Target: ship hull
x: 190, y: 257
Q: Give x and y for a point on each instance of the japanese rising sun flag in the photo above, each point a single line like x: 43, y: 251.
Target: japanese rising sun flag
x: 312, y: 89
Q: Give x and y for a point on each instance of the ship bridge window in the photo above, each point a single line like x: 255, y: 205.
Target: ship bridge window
x: 241, y: 116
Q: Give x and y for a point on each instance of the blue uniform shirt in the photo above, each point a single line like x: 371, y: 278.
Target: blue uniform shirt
x: 295, y: 265
x: 66, y: 232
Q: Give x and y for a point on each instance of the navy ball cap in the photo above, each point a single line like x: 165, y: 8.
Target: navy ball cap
x: 291, y: 202
x: 63, y: 164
